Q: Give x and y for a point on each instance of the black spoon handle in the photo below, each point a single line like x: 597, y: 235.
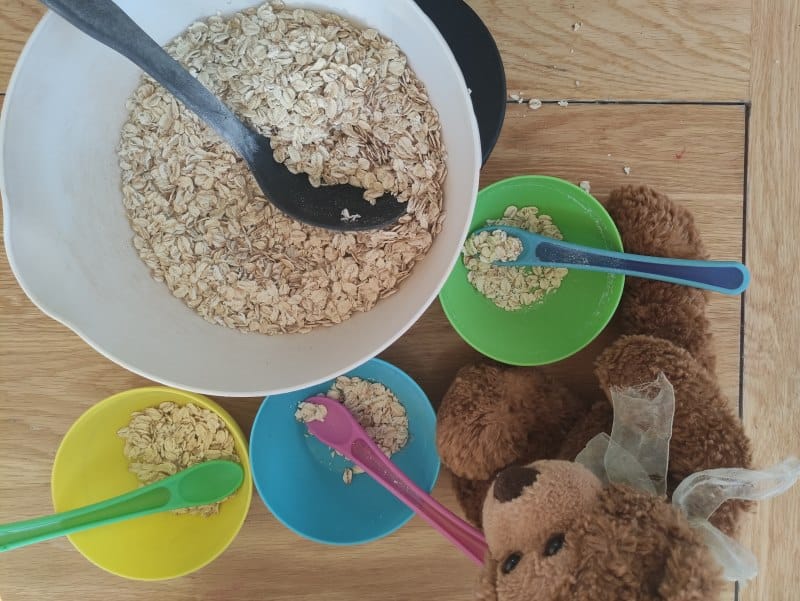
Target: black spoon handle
x: 108, y: 24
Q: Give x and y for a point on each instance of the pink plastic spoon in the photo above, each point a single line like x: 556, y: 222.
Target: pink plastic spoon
x: 342, y: 432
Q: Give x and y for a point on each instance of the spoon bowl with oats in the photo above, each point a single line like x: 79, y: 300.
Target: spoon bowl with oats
x: 336, y: 207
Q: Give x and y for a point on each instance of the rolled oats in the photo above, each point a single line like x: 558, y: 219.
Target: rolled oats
x: 164, y: 440
x: 339, y: 103
x: 511, y: 288
x: 310, y: 412
x: 376, y: 408
x: 490, y: 246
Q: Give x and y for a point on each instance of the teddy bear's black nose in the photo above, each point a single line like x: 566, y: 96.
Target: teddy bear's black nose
x: 510, y: 483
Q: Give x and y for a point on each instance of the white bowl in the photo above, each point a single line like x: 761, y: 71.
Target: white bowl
x: 69, y: 242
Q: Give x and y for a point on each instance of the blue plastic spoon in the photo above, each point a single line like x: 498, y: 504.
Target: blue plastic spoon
x: 727, y: 277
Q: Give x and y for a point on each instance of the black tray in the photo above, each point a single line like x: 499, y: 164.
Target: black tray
x: 480, y: 62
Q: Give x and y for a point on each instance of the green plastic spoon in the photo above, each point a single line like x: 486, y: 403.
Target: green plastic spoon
x: 201, y: 484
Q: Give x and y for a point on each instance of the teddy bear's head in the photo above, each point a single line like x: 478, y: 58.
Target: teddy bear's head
x: 555, y: 532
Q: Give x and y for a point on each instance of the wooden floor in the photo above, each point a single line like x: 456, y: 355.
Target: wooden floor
x: 697, y: 97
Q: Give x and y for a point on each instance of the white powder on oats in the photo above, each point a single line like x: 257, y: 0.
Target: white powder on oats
x: 340, y: 103
x: 511, y: 288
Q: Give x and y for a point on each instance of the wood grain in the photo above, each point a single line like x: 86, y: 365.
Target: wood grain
x: 17, y: 20
x: 772, y: 332
x: 625, y: 49
x: 48, y: 377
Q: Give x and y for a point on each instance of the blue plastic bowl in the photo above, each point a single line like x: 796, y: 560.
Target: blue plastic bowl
x: 301, y: 483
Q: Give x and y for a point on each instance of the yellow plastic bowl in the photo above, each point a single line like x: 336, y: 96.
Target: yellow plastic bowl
x: 90, y: 466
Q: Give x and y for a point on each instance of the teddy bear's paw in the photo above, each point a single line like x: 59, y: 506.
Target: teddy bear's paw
x: 634, y: 360
x: 494, y: 416
x: 651, y: 224
x: 480, y: 429
x: 706, y: 432
x: 669, y: 312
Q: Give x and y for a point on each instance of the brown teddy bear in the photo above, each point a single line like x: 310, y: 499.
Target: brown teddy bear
x: 555, y: 529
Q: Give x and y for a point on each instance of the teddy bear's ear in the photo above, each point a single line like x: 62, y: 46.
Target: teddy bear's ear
x: 487, y: 585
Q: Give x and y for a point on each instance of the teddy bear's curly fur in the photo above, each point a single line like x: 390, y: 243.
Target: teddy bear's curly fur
x: 510, y: 435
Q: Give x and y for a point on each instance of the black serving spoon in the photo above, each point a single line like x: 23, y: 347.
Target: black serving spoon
x: 293, y: 194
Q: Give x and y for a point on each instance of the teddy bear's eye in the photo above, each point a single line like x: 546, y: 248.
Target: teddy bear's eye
x: 554, y: 545
x: 511, y: 562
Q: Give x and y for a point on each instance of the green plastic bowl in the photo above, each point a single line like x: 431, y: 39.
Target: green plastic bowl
x: 566, y: 320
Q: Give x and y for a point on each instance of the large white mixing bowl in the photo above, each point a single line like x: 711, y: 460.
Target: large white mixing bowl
x: 69, y: 242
